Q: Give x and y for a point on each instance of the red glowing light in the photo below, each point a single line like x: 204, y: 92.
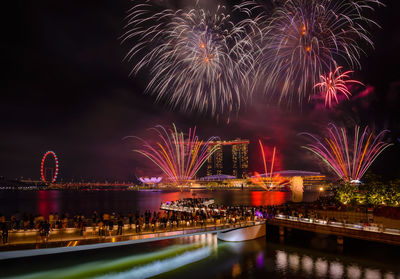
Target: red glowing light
x: 268, y: 181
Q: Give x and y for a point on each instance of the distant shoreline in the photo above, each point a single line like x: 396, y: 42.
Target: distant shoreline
x: 146, y: 189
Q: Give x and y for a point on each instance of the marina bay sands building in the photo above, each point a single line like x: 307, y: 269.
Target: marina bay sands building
x: 230, y: 158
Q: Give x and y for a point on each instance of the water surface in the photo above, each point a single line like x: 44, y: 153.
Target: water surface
x: 85, y: 202
x: 203, y: 256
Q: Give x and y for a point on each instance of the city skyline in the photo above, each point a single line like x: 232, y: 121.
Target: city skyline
x: 63, y: 96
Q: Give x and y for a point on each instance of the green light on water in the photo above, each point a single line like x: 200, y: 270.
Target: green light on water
x: 98, y: 268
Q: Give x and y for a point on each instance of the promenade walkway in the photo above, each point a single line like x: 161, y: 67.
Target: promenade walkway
x: 78, y: 243
x: 31, y: 239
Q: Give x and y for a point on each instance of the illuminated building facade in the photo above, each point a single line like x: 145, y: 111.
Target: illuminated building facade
x: 215, y: 162
x: 230, y: 158
x: 240, y: 158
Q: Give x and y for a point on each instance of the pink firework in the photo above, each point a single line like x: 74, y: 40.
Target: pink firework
x: 348, y: 156
x: 179, y: 157
x: 335, y: 82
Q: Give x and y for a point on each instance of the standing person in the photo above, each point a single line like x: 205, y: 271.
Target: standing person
x: 46, y: 230
x: 31, y: 222
x: 65, y: 221
x: 13, y: 222
x: 130, y: 217
x: 120, y: 225
x: 18, y: 220
x: 147, y: 219
x: 25, y: 221
x: 51, y: 220
x: 42, y: 231
x: 106, y: 220
x: 4, y: 232
x: 56, y: 220
x: 111, y: 227
x: 100, y: 224
x: 82, y: 225
x: 153, y: 223
x: 94, y: 217
x: 137, y: 224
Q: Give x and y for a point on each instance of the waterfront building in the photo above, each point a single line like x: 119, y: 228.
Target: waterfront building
x: 240, y: 158
x: 215, y: 162
x: 230, y: 158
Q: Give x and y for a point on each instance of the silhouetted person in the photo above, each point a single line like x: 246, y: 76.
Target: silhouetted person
x: 137, y: 223
x: 4, y: 232
x: 110, y: 226
x: 130, y: 217
x: 42, y: 231
x: 101, y: 227
x: 120, y: 225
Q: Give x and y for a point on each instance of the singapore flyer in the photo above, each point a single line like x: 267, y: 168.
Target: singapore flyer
x: 49, y: 167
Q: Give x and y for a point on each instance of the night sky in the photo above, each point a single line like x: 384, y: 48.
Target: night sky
x: 66, y: 88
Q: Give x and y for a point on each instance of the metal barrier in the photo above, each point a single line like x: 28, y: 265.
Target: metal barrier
x: 32, y: 236
x: 339, y: 224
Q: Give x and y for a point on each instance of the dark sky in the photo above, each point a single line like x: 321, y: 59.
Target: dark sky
x: 66, y: 88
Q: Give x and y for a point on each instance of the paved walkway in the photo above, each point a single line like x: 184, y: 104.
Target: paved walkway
x: 78, y: 244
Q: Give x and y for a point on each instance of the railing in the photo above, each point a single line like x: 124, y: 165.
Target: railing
x: 362, y: 227
x: 95, y: 234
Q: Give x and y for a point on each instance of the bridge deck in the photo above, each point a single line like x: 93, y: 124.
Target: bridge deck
x: 339, y: 229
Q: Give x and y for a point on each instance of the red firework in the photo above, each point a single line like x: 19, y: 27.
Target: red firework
x: 335, y: 82
x: 268, y: 181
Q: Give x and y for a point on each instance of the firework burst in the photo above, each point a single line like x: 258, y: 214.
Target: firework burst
x: 305, y: 39
x: 348, y: 157
x: 179, y: 158
x: 335, y: 82
x: 198, y: 60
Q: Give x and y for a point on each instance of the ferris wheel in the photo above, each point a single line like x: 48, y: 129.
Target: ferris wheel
x: 49, y: 167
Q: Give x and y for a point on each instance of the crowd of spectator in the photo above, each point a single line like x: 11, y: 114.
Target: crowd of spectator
x: 201, y: 212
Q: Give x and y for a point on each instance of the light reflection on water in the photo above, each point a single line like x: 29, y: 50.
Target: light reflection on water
x: 180, y: 252
x: 307, y: 265
x: 323, y: 268
x: 85, y: 202
x: 203, y: 256
x: 161, y: 266
x: 259, y: 258
x: 353, y: 272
